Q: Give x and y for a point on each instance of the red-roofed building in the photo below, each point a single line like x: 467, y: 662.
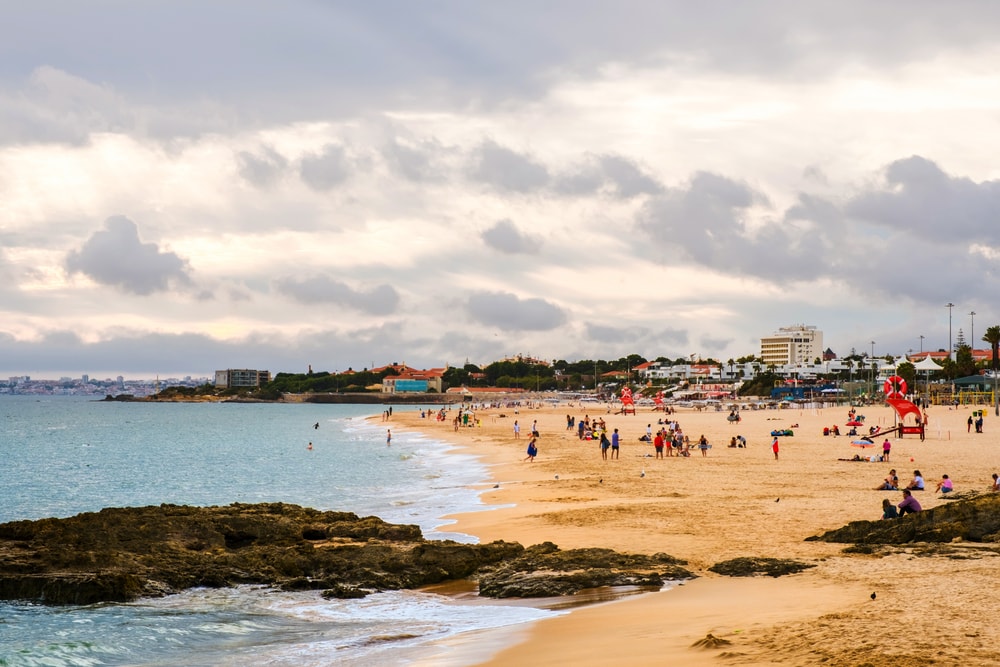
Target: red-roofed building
x: 411, y: 380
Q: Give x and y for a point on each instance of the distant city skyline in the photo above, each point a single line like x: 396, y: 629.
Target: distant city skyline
x: 428, y: 183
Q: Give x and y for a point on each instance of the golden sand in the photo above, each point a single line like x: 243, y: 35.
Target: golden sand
x: 740, y: 502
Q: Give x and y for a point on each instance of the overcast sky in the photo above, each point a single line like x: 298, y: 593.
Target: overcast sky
x: 186, y: 186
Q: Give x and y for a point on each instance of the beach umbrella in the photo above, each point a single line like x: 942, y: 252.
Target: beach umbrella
x: 863, y: 444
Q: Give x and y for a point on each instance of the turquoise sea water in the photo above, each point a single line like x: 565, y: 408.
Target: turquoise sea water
x: 61, y: 456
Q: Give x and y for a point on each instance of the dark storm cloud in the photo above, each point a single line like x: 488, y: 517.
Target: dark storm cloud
x: 380, y: 300
x: 920, y: 198
x: 115, y: 256
x: 263, y: 168
x: 506, y: 169
x: 327, y: 169
x: 509, y: 312
x: 508, y: 239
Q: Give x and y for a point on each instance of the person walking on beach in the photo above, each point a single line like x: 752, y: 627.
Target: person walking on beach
x: 703, y: 445
x: 774, y: 447
x: 532, y: 450
x: 517, y: 431
x: 388, y: 437
x: 886, y: 446
x: 614, y: 444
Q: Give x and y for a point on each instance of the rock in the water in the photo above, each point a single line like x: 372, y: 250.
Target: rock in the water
x: 121, y: 554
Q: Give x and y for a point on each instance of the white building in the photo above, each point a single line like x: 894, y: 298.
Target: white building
x: 794, y: 345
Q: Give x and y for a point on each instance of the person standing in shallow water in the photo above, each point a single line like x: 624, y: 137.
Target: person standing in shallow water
x: 388, y: 437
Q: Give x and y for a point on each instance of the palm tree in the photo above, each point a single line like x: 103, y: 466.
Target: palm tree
x: 992, y: 336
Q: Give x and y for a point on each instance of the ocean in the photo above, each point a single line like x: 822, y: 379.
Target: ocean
x: 63, y: 455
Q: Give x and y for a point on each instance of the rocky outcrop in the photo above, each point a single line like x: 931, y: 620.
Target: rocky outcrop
x: 752, y: 567
x: 972, y: 519
x: 121, y: 554
x: 544, y: 570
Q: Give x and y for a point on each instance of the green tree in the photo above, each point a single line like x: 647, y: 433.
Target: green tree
x: 906, y: 371
x: 992, y: 336
x: 964, y: 363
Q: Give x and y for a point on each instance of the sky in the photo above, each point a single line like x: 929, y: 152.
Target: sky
x: 190, y: 186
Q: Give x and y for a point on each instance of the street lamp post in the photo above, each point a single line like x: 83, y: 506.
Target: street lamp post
x: 871, y: 373
x: 949, y: 306
x: 972, y: 335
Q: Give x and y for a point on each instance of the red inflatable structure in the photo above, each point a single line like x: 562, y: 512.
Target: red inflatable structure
x: 628, y: 403
x: 904, y: 408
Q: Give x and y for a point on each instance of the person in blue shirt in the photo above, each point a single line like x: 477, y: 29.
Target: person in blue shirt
x: 614, y: 444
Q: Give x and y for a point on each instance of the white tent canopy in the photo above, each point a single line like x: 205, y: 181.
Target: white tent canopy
x: 927, y: 364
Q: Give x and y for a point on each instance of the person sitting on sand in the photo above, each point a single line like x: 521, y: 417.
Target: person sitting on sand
x: 835, y: 430
x: 741, y: 441
x: 944, y: 486
x: 732, y: 442
x: 891, y: 482
x: 889, y: 510
x: 917, y: 483
x: 909, y: 504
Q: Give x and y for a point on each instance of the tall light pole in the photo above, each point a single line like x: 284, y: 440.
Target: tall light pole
x: 972, y: 334
x: 949, y: 306
x: 871, y: 373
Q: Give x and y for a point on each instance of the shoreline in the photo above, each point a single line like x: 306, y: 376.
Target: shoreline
x: 731, y: 503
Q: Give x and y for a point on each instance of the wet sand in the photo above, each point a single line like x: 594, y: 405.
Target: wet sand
x: 738, y: 502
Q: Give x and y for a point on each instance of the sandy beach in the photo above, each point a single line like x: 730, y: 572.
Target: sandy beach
x: 929, y: 608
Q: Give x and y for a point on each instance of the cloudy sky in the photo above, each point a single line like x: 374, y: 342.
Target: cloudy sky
x: 187, y: 186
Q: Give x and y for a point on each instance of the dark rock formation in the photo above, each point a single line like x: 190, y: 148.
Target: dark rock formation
x: 543, y: 571
x: 751, y: 567
x: 973, y: 519
x: 121, y: 554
